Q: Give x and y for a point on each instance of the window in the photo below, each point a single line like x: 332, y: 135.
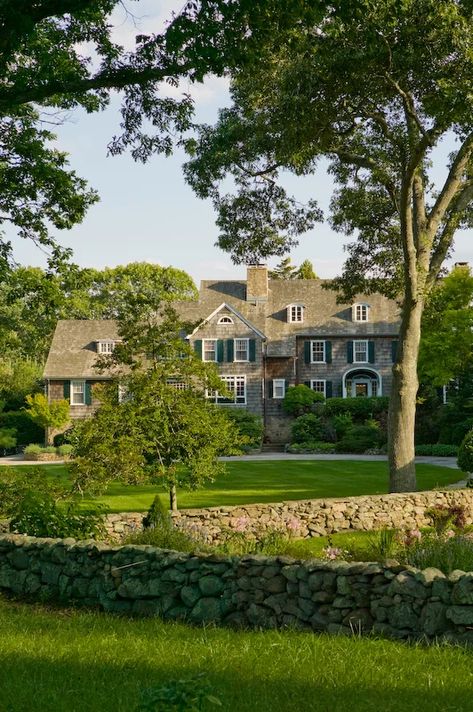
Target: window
x: 77, y: 392
x: 361, y: 312
x: 237, y: 387
x: 225, y: 320
x: 295, y: 313
x: 209, y: 352
x: 175, y: 383
x: 318, y: 386
x: 360, y: 352
x: 241, y: 349
x: 318, y: 351
x: 279, y: 388
x: 105, y: 347
x: 123, y: 393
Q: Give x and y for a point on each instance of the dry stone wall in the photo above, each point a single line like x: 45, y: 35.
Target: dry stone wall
x: 250, y: 591
x: 307, y: 518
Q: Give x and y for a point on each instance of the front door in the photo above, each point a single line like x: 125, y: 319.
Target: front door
x: 361, y: 388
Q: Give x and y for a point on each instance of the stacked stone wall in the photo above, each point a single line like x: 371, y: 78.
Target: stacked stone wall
x: 308, y: 518
x: 249, y: 591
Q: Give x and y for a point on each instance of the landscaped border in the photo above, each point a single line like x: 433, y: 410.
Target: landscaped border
x: 249, y: 591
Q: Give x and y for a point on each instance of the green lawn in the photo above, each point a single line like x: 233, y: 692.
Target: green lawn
x: 275, y: 481
x: 76, y: 661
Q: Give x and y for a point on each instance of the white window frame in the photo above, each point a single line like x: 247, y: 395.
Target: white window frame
x: 279, y: 383
x: 228, y: 379
x: 359, y: 311
x: 295, y: 313
x: 319, y: 380
x: 360, y: 341
x: 225, y: 320
x: 209, y: 360
x: 106, y: 347
x: 247, y: 350
x: 73, y: 393
x: 318, y: 341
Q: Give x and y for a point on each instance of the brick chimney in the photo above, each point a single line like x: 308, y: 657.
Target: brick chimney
x: 256, y: 284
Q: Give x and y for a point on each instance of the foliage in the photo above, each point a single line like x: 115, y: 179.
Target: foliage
x: 444, y: 553
x: 446, y: 517
x: 33, y: 449
x: 164, y: 536
x: 264, y: 541
x: 465, y: 453
x: 447, y: 328
x: 342, y: 422
x: 360, y: 438
x: 285, y: 270
x: 305, y: 428
x: 250, y: 426
x: 300, y: 399
x: 47, y: 415
x: 312, y: 446
x: 437, y: 450
x: 18, y: 378
x: 7, y: 438
x: 193, y: 694
x: 359, y: 408
x: 64, y: 450
x: 26, y: 430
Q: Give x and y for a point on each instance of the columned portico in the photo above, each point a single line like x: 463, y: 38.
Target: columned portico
x: 361, y: 382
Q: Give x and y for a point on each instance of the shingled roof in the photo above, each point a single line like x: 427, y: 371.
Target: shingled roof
x: 73, y: 351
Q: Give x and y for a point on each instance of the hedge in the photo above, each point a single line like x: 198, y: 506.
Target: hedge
x: 26, y: 431
x: 360, y: 408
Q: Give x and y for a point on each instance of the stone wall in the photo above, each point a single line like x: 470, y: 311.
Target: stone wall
x: 308, y: 518
x: 250, y: 591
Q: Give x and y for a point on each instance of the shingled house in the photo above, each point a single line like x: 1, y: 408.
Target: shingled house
x: 264, y: 335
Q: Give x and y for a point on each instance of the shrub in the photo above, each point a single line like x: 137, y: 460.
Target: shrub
x: 306, y: 428
x: 465, y: 453
x: 444, y: 517
x: 39, y: 514
x: 159, y: 531
x: 249, y: 425
x: 443, y: 553
x: 49, y: 450
x: 359, y: 439
x: 63, y: 438
x: 64, y: 450
x: 315, y: 446
x: 26, y: 430
x: 7, y: 438
x: 359, y: 408
x: 300, y: 399
x: 33, y: 449
x: 437, y: 450
x: 193, y: 694
x: 342, y: 422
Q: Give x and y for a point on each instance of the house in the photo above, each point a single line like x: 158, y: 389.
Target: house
x: 264, y: 335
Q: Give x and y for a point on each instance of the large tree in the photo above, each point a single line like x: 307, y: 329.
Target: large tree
x: 375, y: 88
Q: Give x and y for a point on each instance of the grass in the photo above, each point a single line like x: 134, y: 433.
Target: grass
x: 63, y: 660
x: 247, y: 482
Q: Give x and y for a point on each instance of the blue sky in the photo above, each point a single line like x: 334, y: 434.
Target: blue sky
x: 148, y: 213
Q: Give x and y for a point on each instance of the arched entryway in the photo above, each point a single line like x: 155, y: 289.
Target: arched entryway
x: 362, y: 383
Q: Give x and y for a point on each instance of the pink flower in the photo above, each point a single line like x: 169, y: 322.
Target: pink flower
x: 293, y: 524
x: 449, y: 533
x: 241, y: 524
x: 332, y: 552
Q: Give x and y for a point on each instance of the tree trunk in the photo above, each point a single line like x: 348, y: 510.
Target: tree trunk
x: 402, y: 403
x: 173, y: 498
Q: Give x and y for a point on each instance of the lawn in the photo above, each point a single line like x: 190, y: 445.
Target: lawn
x: 69, y: 660
x: 274, y: 481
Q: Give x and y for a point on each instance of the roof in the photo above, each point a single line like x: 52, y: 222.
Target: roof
x: 73, y: 351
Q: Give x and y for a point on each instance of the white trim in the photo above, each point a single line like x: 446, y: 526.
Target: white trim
x: 319, y: 380
x: 101, y: 343
x: 368, y: 370
x: 279, y: 381
x: 362, y: 306
x: 209, y: 360
x: 241, y: 360
x: 236, y: 313
x: 214, y: 394
x: 318, y: 341
x: 361, y: 341
x: 71, y: 395
x: 297, y: 306
x: 225, y: 320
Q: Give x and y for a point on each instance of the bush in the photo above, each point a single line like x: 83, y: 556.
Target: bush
x: 306, y: 428
x: 437, y: 450
x: 159, y: 531
x: 64, y: 450
x: 249, y: 425
x: 63, y: 438
x: 26, y: 430
x: 359, y: 439
x: 465, y: 453
x: 300, y: 399
x: 315, y: 447
x: 7, y: 438
x: 33, y: 449
x: 359, y: 408
x: 341, y: 423
x: 445, y: 554
x: 443, y: 517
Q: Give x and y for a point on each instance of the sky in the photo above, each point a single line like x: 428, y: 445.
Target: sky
x: 148, y: 212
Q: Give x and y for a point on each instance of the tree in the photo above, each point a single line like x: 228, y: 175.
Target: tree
x: 447, y: 329
x: 306, y: 271
x: 50, y: 416
x: 374, y: 88
x: 18, y: 378
x: 286, y: 270
x: 163, y: 429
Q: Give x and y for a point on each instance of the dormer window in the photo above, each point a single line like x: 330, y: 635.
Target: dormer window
x: 105, y: 347
x: 295, y: 313
x: 225, y: 320
x: 361, y: 312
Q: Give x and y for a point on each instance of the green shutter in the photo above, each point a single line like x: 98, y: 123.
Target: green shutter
x: 371, y: 356
x: 88, y: 393
x: 270, y: 389
x: 328, y: 352
x: 220, y: 350
x: 67, y: 390
x: 328, y: 389
x: 198, y: 347
x: 307, y: 351
x: 252, y: 349
x: 230, y: 351
x: 394, y: 350
x: 349, y: 351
